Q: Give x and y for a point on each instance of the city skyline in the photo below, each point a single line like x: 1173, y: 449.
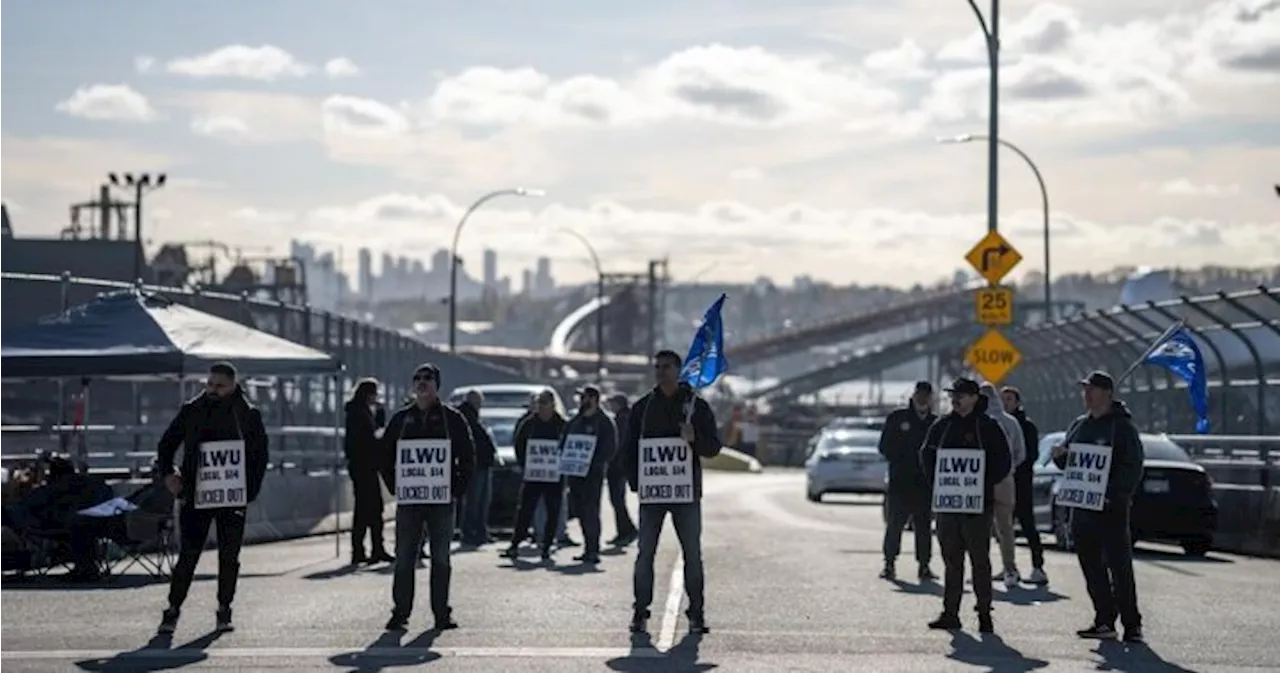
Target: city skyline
x: 783, y: 141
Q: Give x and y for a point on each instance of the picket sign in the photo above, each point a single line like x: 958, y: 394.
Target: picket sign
x: 542, y: 460
x: 959, y: 481
x: 424, y: 472
x: 575, y: 457
x: 666, y: 471
x: 220, y: 480
x: 1084, y: 481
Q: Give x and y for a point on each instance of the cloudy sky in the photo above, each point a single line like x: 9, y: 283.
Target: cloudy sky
x: 768, y: 138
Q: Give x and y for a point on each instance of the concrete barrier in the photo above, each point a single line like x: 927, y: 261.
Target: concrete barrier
x: 1248, y: 520
x: 732, y: 460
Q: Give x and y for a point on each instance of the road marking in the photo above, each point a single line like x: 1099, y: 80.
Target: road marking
x: 671, y: 613
x: 329, y: 652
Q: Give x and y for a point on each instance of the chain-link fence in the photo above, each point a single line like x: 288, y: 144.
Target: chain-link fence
x: 1238, y: 334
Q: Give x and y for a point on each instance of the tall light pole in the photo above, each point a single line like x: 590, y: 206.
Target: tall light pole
x: 453, y: 254
x: 141, y: 184
x: 1044, y: 199
x: 595, y: 260
x: 992, y: 37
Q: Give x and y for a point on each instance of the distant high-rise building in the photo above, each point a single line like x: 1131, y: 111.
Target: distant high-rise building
x: 490, y: 268
x: 364, y: 264
x: 543, y: 283
x: 526, y: 282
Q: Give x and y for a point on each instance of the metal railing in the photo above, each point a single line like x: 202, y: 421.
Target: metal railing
x: 1240, y: 460
x: 1238, y: 333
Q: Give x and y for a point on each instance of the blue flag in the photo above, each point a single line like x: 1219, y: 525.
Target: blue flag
x: 705, y: 361
x: 1180, y: 354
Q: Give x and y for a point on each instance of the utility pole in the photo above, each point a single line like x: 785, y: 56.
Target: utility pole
x: 140, y: 184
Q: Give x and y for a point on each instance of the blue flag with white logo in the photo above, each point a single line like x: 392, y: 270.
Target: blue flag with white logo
x: 705, y: 361
x: 1180, y: 354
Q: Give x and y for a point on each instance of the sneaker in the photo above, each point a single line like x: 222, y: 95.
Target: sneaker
x: 984, y: 623
x: 168, y: 621
x: 588, y: 558
x: 397, y: 623
x: 945, y: 622
x: 698, y: 624
x: 1098, y: 632
x: 1011, y: 578
x: 445, y: 624
x: 511, y: 552
x: 566, y: 541
x: 925, y: 574
x: 1038, y: 577
x: 1133, y: 635
x: 889, y: 571
x: 223, y: 620
x: 638, y: 622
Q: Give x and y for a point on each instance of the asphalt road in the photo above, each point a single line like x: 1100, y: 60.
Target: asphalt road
x: 792, y: 587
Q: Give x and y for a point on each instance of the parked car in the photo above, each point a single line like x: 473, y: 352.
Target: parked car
x: 1173, y: 504
x: 507, y: 395
x: 507, y: 475
x: 845, y: 461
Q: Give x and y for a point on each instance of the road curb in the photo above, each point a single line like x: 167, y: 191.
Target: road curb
x: 732, y: 460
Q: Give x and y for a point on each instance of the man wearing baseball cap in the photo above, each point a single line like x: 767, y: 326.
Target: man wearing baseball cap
x: 585, y: 490
x: 1103, y: 546
x: 908, y: 495
x: 962, y: 534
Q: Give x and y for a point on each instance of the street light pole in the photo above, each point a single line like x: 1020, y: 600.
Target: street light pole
x: 453, y: 254
x: 1044, y: 200
x: 141, y: 184
x: 595, y: 260
x: 992, y: 38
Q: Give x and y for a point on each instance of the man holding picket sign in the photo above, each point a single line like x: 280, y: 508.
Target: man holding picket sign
x: 964, y: 455
x: 537, y: 445
x: 1101, y: 459
x: 590, y: 441
x: 670, y: 428
x: 224, y: 460
x: 428, y: 460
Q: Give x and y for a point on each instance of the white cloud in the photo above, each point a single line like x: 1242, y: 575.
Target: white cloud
x: 1185, y: 187
x: 220, y: 126
x: 144, y: 63
x: 341, y: 67
x: 267, y: 63
x: 361, y: 117
x: 108, y: 102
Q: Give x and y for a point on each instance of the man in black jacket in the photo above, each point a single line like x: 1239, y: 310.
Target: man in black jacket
x: 1103, y: 546
x: 1024, y: 504
x: 590, y: 427
x: 224, y: 461
x: 537, y: 445
x: 428, y: 460
x: 617, y: 475
x: 669, y: 430
x: 962, y: 531
x: 475, y: 522
x: 908, y: 496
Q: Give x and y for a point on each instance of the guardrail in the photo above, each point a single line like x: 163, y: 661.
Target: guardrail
x: 1234, y: 457
x: 1238, y: 333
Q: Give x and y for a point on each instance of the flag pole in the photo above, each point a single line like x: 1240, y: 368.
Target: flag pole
x: 1152, y: 348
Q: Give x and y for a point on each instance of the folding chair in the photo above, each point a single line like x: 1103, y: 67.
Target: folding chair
x: 147, y: 541
x: 41, y: 552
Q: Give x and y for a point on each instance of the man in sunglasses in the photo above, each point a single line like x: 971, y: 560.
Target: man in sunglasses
x: 429, y: 458
x: 669, y: 429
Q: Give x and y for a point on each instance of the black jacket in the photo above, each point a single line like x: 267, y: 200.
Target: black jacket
x: 606, y: 435
x: 360, y: 443
x: 1032, y: 435
x: 440, y: 421
x: 1115, y: 429
x: 486, y: 452
x: 657, y: 415
x: 900, y: 442
x: 975, y: 431
x: 534, y: 427
x: 204, y: 418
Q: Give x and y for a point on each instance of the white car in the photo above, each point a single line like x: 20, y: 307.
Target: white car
x: 845, y: 461
x: 507, y: 395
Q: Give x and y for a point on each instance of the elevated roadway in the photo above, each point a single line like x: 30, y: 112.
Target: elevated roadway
x: 791, y: 586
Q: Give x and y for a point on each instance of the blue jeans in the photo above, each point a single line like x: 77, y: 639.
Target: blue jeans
x: 414, y: 524
x: 540, y: 515
x: 687, y: 520
x: 475, y: 522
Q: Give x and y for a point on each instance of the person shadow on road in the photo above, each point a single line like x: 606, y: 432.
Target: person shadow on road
x: 991, y: 651
x: 1117, y: 656
x: 156, y: 655
x: 681, y: 658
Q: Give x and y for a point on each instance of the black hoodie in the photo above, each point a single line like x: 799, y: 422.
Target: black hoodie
x: 1114, y: 429
x: 601, y: 426
x: 360, y: 441
x: 206, y: 418
x: 975, y: 431
x: 657, y: 415
x: 535, y: 428
x: 1032, y: 435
